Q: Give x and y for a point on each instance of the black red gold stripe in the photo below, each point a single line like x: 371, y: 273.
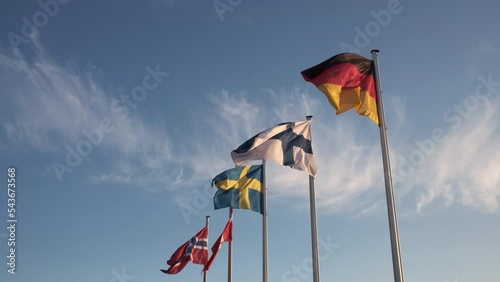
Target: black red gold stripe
x: 348, y: 82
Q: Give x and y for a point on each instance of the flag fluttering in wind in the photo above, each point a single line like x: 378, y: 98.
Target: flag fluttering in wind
x: 348, y: 82
x: 195, y: 250
x: 352, y: 81
x: 288, y: 144
x: 240, y: 188
x: 226, y: 236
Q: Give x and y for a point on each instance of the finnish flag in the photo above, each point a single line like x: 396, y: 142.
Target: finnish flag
x: 288, y: 144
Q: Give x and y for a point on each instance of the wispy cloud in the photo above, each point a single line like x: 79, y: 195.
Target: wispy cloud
x: 52, y: 104
x: 348, y: 167
x: 465, y: 169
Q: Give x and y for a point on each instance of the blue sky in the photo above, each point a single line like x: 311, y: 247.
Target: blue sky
x: 206, y: 80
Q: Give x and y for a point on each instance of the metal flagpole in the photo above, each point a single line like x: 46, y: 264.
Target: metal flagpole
x: 314, y: 226
x: 389, y: 191
x: 207, y: 223
x: 264, y: 225
x: 230, y: 253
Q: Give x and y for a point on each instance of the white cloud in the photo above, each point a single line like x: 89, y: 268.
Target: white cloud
x: 348, y: 172
x: 58, y: 102
x: 465, y: 168
x: 349, y: 164
x: 52, y: 104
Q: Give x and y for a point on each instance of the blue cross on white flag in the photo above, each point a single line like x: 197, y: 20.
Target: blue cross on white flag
x: 288, y: 144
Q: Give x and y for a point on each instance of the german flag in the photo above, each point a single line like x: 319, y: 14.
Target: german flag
x: 348, y: 82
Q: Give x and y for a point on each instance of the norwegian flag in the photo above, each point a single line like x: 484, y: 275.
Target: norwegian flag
x: 226, y: 236
x: 195, y: 250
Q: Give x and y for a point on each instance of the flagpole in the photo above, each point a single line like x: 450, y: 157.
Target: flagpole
x: 314, y: 226
x: 230, y: 253
x: 389, y: 191
x: 207, y: 223
x: 264, y: 224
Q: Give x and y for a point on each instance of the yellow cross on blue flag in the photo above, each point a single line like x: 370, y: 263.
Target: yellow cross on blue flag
x: 240, y: 188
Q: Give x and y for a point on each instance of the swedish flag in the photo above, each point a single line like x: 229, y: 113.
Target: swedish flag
x: 240, y: 188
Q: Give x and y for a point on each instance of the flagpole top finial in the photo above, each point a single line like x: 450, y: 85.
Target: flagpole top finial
x: 309, y: 117
x: 375, y: 50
